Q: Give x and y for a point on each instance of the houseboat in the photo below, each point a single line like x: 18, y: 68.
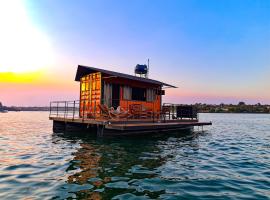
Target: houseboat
x: 113, y: 103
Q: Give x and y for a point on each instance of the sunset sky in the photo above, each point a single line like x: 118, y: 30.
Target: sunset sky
x: 214, y: 51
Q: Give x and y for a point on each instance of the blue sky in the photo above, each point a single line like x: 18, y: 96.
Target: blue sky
x: 214, y: 51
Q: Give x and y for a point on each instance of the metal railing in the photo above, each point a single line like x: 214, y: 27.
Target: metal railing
x: 65, y: 109
x: 86, y: 109
x: 181, y: 111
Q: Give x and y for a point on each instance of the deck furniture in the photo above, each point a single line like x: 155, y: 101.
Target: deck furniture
x: 186, y: 111
x: 111, y: 114
x: 105, y: 112
x: 148, y: 111
x: 139, y: 111
x: 120, y: 112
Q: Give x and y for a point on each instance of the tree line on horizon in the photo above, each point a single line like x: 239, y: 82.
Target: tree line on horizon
x: 241, y: 107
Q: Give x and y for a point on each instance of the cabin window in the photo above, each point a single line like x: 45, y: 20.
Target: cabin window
x: 85, y: 91
x: 107, y: 94
x: 150, y: 95
x: 127, y: 93
x: 138, y: 94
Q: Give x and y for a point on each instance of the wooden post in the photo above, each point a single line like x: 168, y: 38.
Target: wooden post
x: 95, y: 109
x: 100, y: 130
x: 83, y: 109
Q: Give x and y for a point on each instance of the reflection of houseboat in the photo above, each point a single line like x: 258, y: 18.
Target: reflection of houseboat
x: 113, y: 103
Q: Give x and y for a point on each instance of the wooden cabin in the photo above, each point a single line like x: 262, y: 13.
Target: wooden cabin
x: 136, y: 99
x: 114, y: 89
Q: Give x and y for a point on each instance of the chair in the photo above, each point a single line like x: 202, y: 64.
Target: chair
x: 140, y: 111
x: 105, y: 112
x: 120, y: 112
x: 135, y: 110
x: 148, y: 112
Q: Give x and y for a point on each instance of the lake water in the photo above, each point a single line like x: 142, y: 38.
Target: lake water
x: 230, y: 160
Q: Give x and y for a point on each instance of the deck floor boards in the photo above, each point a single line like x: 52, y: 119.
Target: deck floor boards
x: 162, y: 125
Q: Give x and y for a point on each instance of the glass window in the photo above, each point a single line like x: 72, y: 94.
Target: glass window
x: 138, y: 94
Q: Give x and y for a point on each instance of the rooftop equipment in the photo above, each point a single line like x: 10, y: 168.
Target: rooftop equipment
x: 142, y: 70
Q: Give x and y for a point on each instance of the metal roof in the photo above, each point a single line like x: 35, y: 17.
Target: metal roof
x: 84, y: 70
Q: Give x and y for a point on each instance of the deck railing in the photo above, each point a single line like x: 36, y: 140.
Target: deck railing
x: 181, y: 111
x: 65, y: 109
x: 86, y: 109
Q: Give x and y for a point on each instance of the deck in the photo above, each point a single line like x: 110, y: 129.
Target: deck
x: 70, y: 120
x: 102, y: 127
x: 155, y: 126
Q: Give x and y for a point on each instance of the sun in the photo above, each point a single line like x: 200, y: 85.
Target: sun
x: 23, y: 47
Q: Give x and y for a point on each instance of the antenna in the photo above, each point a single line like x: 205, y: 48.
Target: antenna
x: 148, y: 68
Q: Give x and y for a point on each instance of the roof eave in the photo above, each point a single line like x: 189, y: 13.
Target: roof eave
x: 83, y: 70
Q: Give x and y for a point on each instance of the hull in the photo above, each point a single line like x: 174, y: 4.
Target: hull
x: 99, y: 130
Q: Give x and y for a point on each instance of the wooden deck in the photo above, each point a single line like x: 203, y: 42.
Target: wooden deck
x: 103, y: 127
x: 155, y: 126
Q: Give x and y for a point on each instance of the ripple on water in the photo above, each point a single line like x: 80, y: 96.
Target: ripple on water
x: 230, y: 160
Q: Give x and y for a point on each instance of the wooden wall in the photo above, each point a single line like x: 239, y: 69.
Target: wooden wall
x: 155, y: 105
x: 91, y: 93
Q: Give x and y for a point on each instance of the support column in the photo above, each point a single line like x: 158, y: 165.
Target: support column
x: 100, y: 130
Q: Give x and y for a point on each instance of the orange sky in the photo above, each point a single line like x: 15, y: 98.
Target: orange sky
x: 36, y: 88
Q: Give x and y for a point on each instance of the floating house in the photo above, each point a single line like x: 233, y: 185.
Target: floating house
x: 113, y: 103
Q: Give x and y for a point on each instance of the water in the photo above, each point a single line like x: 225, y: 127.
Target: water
x: 230, y: 160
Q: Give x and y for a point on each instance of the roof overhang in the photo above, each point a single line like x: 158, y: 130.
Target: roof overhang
x: 85, y: 70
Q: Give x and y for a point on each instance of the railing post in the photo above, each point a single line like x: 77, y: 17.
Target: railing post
x: 73, y: 111
x: 65, y: 110
x: 57, y: 108
x: 50, y: 108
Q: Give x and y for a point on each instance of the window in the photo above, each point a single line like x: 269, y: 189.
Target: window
x: 127, y: 93
x: 138, y: 94
x: 150, y: 95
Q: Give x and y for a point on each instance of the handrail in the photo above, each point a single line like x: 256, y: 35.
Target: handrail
x: 86, y: 109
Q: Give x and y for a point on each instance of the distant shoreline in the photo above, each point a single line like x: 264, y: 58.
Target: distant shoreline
x: 240, y: 108
x: 45, y: 109
x: 21, y: 109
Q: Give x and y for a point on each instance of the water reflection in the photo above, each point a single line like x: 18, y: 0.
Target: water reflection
x: 115, y: 166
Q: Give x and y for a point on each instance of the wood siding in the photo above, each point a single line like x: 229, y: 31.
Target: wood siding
x: 154, y: 105
x: 90, y: 94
